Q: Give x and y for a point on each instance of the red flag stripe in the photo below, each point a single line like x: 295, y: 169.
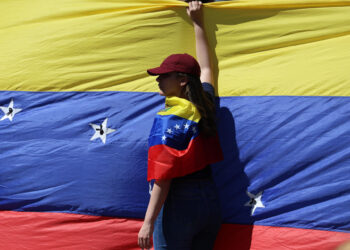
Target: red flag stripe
x: 244, y: 237
x: 37, y: 230
x: 165, y: 162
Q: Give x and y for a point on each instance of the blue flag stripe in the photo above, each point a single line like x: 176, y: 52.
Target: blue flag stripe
x: 294, y: 150
x: 173, y: 131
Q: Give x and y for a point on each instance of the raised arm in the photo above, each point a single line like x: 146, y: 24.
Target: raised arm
x: 195, y: 12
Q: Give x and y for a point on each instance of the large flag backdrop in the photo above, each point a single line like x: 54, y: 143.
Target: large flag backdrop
x: 77, y: 106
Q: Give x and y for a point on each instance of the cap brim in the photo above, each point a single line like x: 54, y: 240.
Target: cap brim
x: 158, y: 71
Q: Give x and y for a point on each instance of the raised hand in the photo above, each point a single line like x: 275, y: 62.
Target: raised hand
x: 194, y: 11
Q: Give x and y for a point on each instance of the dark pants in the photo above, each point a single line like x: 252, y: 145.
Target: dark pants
x: 190, y: 217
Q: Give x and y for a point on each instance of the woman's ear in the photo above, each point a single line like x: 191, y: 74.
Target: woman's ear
x: 183, y: 81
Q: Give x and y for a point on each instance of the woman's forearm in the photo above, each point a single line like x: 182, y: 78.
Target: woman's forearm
x: 158, y: 196
x: 195, y: 11
x: 203, y: 53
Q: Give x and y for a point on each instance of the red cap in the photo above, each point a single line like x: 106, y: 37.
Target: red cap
x: 183, y: 63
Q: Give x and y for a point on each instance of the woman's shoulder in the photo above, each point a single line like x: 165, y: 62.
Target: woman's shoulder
x: 209, y: 89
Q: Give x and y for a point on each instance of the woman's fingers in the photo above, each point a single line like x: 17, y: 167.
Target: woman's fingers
x: 194, y: 11
x: 194, y: 5
x: 147, y: 243
x: 145, y: 235
x: 144, y: 242
x: 140, y: 243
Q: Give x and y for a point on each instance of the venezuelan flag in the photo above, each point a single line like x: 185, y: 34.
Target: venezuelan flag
x: 77, y: 108
x: 176, y: 146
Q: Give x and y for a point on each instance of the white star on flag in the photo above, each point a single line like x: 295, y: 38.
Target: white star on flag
x: 163, y: 138
x: 9, y: 112
x: 177, y: 126
x: 194, y: 130
x: 254, y: 202
x: 101, y: 131
x: 169, y: 131
x: 187, y: 126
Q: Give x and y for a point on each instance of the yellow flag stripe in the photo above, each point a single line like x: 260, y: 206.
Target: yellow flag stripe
x: 262, y: 47
x: 182, y: 108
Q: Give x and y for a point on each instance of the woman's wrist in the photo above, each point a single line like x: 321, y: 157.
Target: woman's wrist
x: 149, y: 222
x: 198, y: 24
x: 198, y: 28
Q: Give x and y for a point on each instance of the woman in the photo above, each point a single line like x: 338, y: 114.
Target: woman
x: 183, y: 211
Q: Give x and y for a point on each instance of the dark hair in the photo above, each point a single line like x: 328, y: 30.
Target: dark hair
x: 195, y: 94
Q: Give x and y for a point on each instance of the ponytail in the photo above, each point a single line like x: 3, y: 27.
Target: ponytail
x: 194, y: 93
